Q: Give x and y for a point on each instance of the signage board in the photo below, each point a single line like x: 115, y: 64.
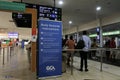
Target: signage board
x: 50, y: 48
x: 5, y: 5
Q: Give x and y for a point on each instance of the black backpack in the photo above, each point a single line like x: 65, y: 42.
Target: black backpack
x: 80, y: 44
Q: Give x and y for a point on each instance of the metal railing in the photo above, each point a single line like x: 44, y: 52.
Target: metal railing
x: 100, y: 50
x: 6, y: 53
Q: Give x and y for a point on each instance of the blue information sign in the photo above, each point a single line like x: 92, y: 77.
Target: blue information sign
x: 50, y: 48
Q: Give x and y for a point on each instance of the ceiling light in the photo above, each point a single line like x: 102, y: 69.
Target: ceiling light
x: 70, y: 22
x: 98, y: 8
x: 60, y: 2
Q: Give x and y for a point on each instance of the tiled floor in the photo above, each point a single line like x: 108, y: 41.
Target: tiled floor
x: 16, y: 68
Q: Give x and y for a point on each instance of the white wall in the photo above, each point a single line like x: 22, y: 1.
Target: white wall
x: 7, y: 26
x: 4, y: 20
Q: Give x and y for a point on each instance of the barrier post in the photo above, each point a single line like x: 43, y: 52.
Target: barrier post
x: 13, y: 49
x: 101, y: 59
x: 7, y: 53
x: 3, y: 56
x: 0, y: 50
x: 10, y: 51
x: 71, y: 63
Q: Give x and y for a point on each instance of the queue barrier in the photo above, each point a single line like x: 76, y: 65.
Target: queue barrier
x: 100, y: 50
x: 6, y: 53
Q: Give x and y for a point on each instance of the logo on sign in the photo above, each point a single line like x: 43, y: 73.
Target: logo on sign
x: 50, y: 68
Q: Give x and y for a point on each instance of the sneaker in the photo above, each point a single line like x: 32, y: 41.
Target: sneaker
x: 81, y: 70
x: 86, y: 70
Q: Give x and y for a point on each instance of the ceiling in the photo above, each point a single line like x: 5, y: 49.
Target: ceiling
x: 80, y: 11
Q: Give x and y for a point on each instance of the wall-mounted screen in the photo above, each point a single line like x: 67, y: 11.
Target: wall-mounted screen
x: 22, y: 20
x: 52, y: 13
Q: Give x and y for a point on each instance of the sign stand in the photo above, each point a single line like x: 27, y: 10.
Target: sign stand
x: 50, y: 49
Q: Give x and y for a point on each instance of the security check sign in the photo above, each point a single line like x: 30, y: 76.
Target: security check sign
x: 50, y: 49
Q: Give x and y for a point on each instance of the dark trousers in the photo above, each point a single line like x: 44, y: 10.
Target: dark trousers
x: 108, y: 55
x: 83, y: 59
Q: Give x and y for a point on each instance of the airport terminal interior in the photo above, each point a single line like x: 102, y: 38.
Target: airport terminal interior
x: 33, y: 44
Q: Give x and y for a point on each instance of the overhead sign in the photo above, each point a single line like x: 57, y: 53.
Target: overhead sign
x: 13, y: 35
x: 50, y: 48
x: 5, y: 5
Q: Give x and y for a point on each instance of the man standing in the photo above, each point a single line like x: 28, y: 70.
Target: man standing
x: 64, y: 40
x: 85, y: 51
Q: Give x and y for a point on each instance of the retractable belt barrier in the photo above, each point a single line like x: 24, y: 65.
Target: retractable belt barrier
x: 6, y: 52
x: 100, y: 50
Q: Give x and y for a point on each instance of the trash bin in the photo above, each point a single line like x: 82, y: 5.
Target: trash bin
x: 64, y: 59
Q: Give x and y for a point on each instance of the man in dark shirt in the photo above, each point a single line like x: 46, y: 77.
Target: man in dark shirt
x: 64, y: 40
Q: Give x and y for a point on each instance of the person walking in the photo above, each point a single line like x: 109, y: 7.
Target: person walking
x: 28, y: 48
x: 85, y: 51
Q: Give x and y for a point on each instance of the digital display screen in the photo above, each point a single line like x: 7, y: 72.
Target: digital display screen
x: 24, y: 19
x: 51, y: 13
x: 28, y: 5
x: 21, y: 16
